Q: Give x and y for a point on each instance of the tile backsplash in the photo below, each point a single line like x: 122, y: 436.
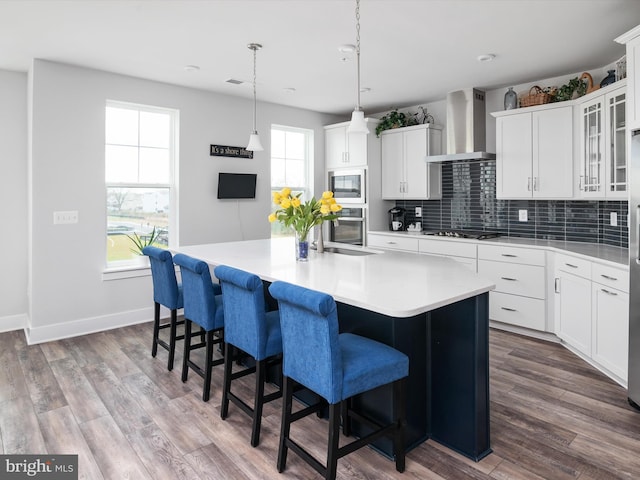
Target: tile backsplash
x: 469, y: 203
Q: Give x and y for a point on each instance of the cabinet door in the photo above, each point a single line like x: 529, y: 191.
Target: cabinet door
x: 514, y: 156
x: 616, y: 144
x: 553, y: 153
x: 611, y: 329
x: 592, y: 147
x: 357, y: 149
x: 335, y: 147
x: 416, y: 173
x: 392, y: 166
x: 573, y: 301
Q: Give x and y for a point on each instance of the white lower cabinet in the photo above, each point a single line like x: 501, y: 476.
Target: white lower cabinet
x: 592, y: 311
x: 610, y: 319
x: 573, y: 310
x: 463, y: 253
x: 392, y: 242
x: 519, y: 275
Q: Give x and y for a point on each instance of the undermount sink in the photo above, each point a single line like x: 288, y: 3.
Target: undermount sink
x: 347, y: 251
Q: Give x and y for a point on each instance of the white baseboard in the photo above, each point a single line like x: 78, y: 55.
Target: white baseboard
x: 549, y: 337
x: 14, y: 322
x: 86, y: 326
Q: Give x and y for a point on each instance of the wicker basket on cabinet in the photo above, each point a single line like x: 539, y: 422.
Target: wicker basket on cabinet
x: 536, y: 96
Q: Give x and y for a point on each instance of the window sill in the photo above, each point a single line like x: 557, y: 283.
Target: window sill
x: 130, y: 271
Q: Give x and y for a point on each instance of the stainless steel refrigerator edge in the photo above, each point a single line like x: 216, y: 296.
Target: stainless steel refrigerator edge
x: 634, y: 270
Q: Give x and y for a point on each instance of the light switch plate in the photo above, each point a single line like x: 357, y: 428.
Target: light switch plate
x: 522, y: 216
x: 67, y: 217
x: 613, y: 219
x: 418, y: 211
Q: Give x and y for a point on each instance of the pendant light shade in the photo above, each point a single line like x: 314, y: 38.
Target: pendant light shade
x: 254, y: 140
x: 358, y: 124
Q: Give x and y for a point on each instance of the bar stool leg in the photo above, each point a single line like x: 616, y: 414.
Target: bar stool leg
x: 187, y: 349
x: 207, y: 367
x: 156, y: 329
x: 334, y: 436
x: 261, y: 366
x: 172, y: 338
x: 226, y: 387
x: 285, y: 427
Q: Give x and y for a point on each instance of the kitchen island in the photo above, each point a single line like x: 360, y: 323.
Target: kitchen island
x: 428, y: 307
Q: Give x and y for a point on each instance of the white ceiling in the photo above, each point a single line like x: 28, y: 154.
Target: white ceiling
x: 412, y: 51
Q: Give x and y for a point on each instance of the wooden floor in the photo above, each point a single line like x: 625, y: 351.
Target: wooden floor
x: 104, y: 398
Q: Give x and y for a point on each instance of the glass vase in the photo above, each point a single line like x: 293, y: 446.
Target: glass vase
x: 302, y: 248
x: 510, y: 99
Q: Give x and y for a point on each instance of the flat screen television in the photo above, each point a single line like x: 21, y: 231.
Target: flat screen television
x: 237, y: 185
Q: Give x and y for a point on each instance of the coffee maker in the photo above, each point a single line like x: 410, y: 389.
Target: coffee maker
x: 397, y: 219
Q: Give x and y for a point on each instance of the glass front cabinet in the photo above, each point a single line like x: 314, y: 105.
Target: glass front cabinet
x: 603, y: 162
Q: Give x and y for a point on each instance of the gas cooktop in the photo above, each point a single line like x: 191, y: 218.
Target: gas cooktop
x: 473, y: 234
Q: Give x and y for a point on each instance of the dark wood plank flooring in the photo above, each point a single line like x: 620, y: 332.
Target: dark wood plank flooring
x: 104, y: 398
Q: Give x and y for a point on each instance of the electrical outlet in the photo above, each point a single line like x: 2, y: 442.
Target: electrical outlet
x: 418, y: 211
x: 522, y: 216
x: 68, y: 217
x: 613, y: 219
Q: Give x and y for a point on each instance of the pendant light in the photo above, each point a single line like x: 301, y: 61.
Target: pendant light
x: 254, y: 139
x: 358, y: 124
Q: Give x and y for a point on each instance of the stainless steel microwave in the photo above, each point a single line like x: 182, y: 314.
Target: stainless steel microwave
x: 348, y: 186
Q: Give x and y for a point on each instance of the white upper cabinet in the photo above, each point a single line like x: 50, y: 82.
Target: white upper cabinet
x: 405, y: 174
x: 602, y: 156
x: 534, y: 153
x: 632, y: 41
x: 344, y: 149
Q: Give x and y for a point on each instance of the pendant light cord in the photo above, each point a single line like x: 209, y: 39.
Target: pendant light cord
x: 358, y: 50
x: 254, y: 48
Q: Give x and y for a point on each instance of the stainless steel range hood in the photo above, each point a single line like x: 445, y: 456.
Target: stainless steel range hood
x: 466, y: 128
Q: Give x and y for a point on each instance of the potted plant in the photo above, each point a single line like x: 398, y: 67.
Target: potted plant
x: 573, y: 89
x: 140, y: 242
x: 395, y: 119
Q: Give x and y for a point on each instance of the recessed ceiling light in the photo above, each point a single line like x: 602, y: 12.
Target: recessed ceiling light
x: 191, y: 68
x: 486, y: 57
x: 289, y: 90
x: 233, y: 81
x: 347, y: 48
x: 365, y: 89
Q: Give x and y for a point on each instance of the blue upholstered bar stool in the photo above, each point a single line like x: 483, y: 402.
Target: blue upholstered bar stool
x: 203, y: 307
x: 168, y: 292
x: 253, y: 330
x: 336, y: 367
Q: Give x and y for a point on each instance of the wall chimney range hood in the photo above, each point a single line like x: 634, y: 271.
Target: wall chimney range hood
x: 466, y: 128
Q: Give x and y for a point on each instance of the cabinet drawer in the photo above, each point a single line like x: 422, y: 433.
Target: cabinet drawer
x: 573, y: 265
x: 526, y: 280
x: 393, y: 243
x: 501, y: 253
x: 610, y: 276
x: 515, y: 310
x: 449, y: 248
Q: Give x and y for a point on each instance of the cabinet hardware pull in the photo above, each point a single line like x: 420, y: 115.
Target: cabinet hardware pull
x: 535, y: 184
x: 608, y: 292
x: 509, y: 255
x: 580, y: 182
x: 608, y: 277
x: 572, y: 266
x: 556, y: 285
x: 509, y: 309
x: 510, y: 279
x: 528, y: 184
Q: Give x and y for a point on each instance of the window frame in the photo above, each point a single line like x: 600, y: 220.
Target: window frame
x: 171, y: 185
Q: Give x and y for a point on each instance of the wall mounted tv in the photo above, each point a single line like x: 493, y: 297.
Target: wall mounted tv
x: 237, y: 185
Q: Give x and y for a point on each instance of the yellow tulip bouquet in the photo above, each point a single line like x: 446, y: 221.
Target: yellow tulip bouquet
x: 302, y: 217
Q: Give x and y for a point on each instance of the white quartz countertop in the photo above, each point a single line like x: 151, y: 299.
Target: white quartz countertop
x: 617, y: 256
x: 397, y: 284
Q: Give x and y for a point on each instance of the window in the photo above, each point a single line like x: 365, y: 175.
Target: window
x: 291, y: 165
x: 140, y: 157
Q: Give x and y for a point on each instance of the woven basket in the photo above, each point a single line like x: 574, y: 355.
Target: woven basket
x: 535, y: 97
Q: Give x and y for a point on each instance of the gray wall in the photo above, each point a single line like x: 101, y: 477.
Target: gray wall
x: 68, y: 293
x: 13, y: 199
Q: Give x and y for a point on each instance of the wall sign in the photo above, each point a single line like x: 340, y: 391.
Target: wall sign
x: 228, y: 151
